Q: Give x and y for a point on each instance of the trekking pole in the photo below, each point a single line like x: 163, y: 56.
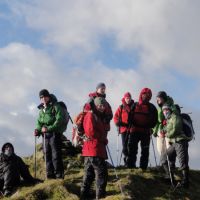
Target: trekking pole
x: 45, y: 156
x: 154, y: 151
x: 35, y: 162
x: 170, y: 173
x: 117, y: 147
x: 120, y: 187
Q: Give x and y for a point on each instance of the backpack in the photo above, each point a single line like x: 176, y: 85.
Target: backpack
x: 78, y: 130
x: 187, y: 126
x: 64, y: 110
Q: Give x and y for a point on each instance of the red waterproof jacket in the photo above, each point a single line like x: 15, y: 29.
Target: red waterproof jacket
x: 122, y: 117
x: 96, y: 142
x: 108, y: 115
x: 145, y: 114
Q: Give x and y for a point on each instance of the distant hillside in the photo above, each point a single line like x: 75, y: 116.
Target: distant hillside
x: 135, y: 183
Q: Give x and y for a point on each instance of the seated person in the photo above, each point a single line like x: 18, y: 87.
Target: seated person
x: 12, y: 167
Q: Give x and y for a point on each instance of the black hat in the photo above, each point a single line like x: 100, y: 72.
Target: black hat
x: 44, y: 93
x: 162, y: 94
x: 100, y: 85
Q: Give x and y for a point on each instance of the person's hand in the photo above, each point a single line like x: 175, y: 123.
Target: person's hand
x: 162, y: 134
x: 164, y: 122
x: 44, y: 129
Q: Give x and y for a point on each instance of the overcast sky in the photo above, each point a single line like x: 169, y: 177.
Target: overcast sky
x: 68, y: 47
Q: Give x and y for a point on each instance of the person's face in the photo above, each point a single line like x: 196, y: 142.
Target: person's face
x: 44, y: 100
x: 100, y: 108
x: 8, y: 150
x: 160, y: 100
x: 127, y: 100
x: 144, y: 97
x: 101, y: 90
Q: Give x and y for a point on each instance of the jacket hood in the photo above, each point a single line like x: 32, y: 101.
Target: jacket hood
x: 124, y: 102
x: 148, y: 92
x: 4, y: 146
x: 95, y: 94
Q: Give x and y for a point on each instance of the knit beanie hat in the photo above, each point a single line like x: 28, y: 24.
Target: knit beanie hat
x: 99, y: 101
x: 162, y: 94
x: 44, y: 93
x: 127, y: 95
x: 100, y: 85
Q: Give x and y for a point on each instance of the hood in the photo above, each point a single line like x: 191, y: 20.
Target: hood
x: 3, y: 147
x: 95, y: 94
x: 148, y: 92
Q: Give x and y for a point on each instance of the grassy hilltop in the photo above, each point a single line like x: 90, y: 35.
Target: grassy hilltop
x: 135, y: 183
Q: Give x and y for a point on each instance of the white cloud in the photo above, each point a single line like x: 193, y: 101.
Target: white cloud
x: 165, y: 33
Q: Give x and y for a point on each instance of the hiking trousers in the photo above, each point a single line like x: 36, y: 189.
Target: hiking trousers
x: 95, y: 167
x: 134, y: 139
x: 53, y: 153
x: 179, y: 150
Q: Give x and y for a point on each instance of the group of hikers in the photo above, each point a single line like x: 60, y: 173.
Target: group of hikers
x: 136, y: 122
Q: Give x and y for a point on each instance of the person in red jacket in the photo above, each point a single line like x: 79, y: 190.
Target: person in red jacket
x: 144, y: 119
x: 100, y: 92
x: 94, y: 150
x: 122, y: 119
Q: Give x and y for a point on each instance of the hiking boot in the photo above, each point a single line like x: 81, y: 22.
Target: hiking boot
x: 7, y: 193
x: 59, y: 176
x: 101, y: 195
x: 51, y: 176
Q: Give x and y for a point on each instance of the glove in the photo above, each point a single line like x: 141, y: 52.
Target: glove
x: 164, y: 122
x: 36, y: 132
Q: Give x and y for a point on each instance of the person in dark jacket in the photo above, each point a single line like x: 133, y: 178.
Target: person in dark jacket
x: 50, y: 125
x: 122, y: 119
x: 94, y: 150
x: 12, y: 168
x: 144, y: 118
x: 178, y: 146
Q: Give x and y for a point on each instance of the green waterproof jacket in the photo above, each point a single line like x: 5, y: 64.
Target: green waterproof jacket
x: 52, y: 118
x: 159, y: 126
x: 174, y: 129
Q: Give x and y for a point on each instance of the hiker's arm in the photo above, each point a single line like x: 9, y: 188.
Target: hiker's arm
x: 88, y: 125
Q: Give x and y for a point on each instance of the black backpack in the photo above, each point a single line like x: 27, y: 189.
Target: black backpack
x: 188, y: 126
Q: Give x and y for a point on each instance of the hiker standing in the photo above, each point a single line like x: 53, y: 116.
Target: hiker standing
x: 122, y: 119
x: 178, y: 146
x: 100, y: 92
x: 49, y: 124
x: 12, y: 167
x: 94, y: 150
x: 158, y: 131
x: 144, y: 118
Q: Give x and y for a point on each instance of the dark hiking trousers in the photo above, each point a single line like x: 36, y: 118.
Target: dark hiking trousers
x: 94, y: 167
x: 53, y: 153
x: 179, y: 150
x: 124, y: 137
x: 134, y: 139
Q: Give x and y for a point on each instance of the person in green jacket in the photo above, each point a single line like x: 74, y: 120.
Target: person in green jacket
x: 50, y: 125
x: 158, y: 131
x: 178, y: 146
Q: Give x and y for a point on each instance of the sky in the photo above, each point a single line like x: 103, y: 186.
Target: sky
x: 69, y: 46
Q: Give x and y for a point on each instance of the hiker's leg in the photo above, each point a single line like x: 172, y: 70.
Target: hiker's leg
x: 182, y: 155
x: 56, y: 146
x: 124, y: 137
x: 145, y: 142
x: 88, y: 177
x: 48, y: 157
x: 133, y: 140
x: 101, y: 173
